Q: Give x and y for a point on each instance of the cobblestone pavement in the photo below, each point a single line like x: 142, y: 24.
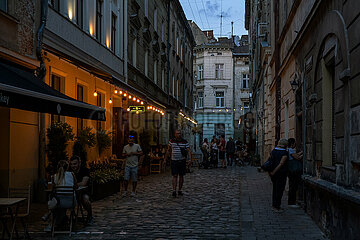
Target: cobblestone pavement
x: 232, y: 203
x: 258, y: 221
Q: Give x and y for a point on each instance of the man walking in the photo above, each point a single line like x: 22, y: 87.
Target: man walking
x: 230, y: 150
x: 131, y: 151
x: 179, y: 149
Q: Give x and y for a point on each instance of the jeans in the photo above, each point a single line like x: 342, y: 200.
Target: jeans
x: 279, y: 182
x: 294, y: 181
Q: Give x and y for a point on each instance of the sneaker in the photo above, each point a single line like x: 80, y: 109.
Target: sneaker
x: 124, y: 194
x: 90, y: 221
x: 180, y: 193
x: 293, y: 206
x: 133, y: 194
x: 277, y: 210
x: 47, y: 228
x: 174, y: 194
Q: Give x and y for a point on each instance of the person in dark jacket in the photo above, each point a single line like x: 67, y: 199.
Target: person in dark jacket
x: 230, y: 150
x: 279, y: 174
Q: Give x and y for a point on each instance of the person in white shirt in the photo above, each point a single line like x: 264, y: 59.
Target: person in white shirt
x: 132, y: 152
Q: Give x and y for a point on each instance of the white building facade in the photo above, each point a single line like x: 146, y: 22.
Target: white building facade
x: 214, y: 88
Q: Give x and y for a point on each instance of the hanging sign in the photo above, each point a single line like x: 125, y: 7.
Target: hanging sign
x: 137, y: 108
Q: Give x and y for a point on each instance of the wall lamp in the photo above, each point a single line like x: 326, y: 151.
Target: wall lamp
x: 294, y: 84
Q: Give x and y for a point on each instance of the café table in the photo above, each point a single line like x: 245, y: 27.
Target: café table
x: 9, y: 203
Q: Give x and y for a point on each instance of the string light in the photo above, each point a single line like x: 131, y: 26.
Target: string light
x: 138, y: 100
x: 128, y: 109
x: 110, y: 101
x: 142, y: 103
x: 124, y: 94
x: 95, y: 93
x: 129, y: 96
x: 116, y: 91
x: 134, y: 99
x: 121, y: 92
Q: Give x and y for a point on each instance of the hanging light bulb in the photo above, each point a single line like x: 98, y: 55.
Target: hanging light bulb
x: 134, y: 98
x: 110, y: 101
x: 124, y: 94
x: 95, y: 93
x: 121, y: 92
x: 148, y: 107
x: 142, y: 103
x: 138, y: 100
x: 129, y: 96
x: 128, y: 109
x: 137, y: 112
x: 116, y: 91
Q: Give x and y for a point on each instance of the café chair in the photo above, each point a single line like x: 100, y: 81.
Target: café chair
x: 23, y: 210
x: 64, y: 192
x: 155, y: 165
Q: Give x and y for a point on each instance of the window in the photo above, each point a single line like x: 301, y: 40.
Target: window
x: 56, y: 83
x: 245, y: 80
x: 155, y: 19
x: 146, y: 8
x: 200, y: 99
x: 155, y: 72
x: 219, y: 71
x: 146, y: 63
x: 200, y: 72
x: 177, y: 45
x: 113, y: 31
x: 173, y: 86
x: 4, y: 5
x: 98, y: 19
x: 134, y: 52
x: 55, y: 4
x: 181, y: 52
x: 80, y: 97
x: 219, y: 129
x: 163, y: 79
x: 100, y: 102
x: 219, y: 99
x: 177, y: 88
x: 80, y: 13
x: 163, y: 31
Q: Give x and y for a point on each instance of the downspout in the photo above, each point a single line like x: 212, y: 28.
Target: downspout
x: 125, y: 41
x: 168, y: 71
x: 41, y: 72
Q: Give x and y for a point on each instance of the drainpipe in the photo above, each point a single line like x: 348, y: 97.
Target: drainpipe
x: 41, y: 74
x: 168, y: 69
x: 125, y: 41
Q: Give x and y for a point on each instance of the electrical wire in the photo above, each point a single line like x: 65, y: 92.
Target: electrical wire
x: 192, y: 11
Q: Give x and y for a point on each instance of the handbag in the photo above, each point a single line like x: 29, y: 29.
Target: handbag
x: 269, y: 165
x: 53, y: 203
x: 183, y: 151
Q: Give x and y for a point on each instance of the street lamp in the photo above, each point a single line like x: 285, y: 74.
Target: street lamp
x: 294, y: 84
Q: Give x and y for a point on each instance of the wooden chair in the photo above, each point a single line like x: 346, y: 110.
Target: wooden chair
x: 64, y: 192
x: 156, y: 165
x: 24, y: 209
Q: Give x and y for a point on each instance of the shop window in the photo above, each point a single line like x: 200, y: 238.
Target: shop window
x: 219, y: 129
x: 100, y: 102
x: 57, y: 83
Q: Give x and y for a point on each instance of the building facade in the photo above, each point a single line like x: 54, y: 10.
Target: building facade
x: 129, y: 62
x: 304, y: 56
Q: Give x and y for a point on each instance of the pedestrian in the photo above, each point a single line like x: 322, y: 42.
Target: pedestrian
x: 278, y: 176
x: 179, y: 149
x: 230, y: 150
x: 295, y: 171
x: 222, y: 151
x: 132, y: 152
x: 214, y: 152
x: 82, y: 175
x: 63, y: 178
x: 205, y: 148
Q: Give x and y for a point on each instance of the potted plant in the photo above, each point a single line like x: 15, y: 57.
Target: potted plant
x: 105, y: 179
x: 103, y: 139
x: 85, y: 138
x: 59, y: 134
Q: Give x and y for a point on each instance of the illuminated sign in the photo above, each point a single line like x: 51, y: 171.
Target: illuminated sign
x: 137, y: 108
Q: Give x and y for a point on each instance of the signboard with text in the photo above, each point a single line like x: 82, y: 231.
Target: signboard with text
x: 137, y: 108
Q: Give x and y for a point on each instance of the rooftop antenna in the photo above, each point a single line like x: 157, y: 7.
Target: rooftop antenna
x: 232, y: 31
x: 221, y: 16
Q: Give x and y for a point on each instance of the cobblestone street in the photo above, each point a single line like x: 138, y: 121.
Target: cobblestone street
x: 232, y: 203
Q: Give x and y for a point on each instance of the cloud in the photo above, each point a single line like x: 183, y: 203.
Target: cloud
x: 212, y: 6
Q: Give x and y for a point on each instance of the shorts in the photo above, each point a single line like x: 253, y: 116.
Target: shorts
x: 133, y: 171
x: 221, y: 155
x: 178, y: 167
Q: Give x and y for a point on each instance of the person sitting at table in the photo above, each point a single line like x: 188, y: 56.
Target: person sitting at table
x: 63, y: 177
x: 82, y: 175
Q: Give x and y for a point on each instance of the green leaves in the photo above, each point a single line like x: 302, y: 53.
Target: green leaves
x: 105, y: 175
x: 104, y: 140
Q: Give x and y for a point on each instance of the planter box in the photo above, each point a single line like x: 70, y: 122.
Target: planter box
x: 102, y: 190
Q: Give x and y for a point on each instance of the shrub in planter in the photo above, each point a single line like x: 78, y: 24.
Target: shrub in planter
x: 105, y: 180
x: 85, y: 138
x: 59, y: 134
x: 104, y: 140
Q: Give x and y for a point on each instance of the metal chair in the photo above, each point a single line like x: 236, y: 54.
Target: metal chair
x: 23, y: 210
x: 64, y: 192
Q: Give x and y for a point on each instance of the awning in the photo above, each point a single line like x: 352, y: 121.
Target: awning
x: 22, y: 90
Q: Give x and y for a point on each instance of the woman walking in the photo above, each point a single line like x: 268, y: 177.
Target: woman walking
x: 278, y: 176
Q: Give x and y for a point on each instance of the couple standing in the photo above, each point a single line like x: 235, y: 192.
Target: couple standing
x: 288, y: 164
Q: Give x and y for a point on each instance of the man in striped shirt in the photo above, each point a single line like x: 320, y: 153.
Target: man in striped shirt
x: 179, y: 149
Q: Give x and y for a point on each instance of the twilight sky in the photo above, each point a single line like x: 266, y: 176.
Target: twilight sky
x: 206, y: 14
